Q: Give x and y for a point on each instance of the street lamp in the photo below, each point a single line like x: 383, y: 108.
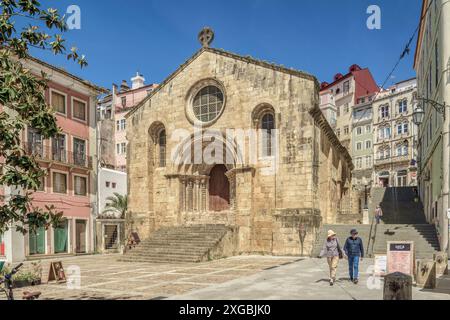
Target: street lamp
x: 419, y: 113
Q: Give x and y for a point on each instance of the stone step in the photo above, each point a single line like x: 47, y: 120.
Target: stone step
x: 168, y: 253
x: 184, y: 239
x: 182, y: 244
x: 156, y: 259
x: 187, y: 250
x: 155, y: 242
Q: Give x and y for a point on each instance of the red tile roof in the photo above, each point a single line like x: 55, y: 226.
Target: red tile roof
x: 365, y: 84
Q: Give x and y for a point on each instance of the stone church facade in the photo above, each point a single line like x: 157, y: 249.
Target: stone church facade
x: 280, y: 175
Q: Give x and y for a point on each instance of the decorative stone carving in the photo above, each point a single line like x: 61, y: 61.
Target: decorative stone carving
x: 441, y: 259
x: 426, y: 274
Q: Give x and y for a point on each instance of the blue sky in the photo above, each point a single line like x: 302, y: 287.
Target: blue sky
x: 320, y: 37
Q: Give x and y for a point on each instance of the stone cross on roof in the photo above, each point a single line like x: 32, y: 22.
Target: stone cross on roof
x: 206, y: 36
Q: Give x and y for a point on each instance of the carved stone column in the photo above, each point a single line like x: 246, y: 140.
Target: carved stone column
x: 203, y: 195
x: 182, y: 194
x: 190, y: 195
x: 196, y: 193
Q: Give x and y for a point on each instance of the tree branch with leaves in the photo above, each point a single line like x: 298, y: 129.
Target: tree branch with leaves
x: 117, y: 204
x: 23, y: 105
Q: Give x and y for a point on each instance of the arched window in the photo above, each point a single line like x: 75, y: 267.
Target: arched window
x: 162, y: 148
x: 267, y: 126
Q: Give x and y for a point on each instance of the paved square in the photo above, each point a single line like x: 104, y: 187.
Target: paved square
x: 243, y: 277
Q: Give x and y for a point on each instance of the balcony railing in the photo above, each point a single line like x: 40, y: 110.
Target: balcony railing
x: 45, y: 153
x: 385, y: 160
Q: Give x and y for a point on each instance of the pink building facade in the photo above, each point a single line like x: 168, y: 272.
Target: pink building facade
x: 123, y: 99
x: 69, y: 161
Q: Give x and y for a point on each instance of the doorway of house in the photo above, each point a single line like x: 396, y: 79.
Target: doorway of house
x: 61, y: 237
x: 80, y: 236
x: 36, y: 241
x: 219, y: 189
x: 111, y: 236
x: 402, y: 177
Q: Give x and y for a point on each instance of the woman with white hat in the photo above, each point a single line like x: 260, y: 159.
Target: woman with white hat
x: 332, y: 251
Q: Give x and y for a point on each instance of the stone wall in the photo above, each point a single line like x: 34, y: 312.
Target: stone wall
x: 107, y: 144
x: 312, y: 168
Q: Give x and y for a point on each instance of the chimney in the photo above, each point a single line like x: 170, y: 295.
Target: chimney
x: 137, y: 82
x: 124, y: 86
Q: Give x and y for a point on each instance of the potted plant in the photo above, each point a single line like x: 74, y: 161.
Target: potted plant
x: 26, y: 278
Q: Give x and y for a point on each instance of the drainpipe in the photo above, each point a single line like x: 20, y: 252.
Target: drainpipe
x: 97, y: 196
x: 445, y: 187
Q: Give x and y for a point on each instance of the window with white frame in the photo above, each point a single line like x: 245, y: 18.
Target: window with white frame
x: 368, y: 144
x: 387, y: 153
x: 121, y: 125
x: 403, y: 106
x: 405, y: 149
x: 387, y: 132
x: 79, y: 152
x: 79, y: 110
x: 59, y: 182
x: 399, y: 150
x: 80, y: 186
x: 358, y: 146
x: 384, y: 153
x: 346, y: 108
x: 121, y: 148
x: 58, y: 102
x: 368, y: 128
x: 402, y: 128
x: 384, y: 132
x: 41, y: 184
x: 358, y: 163
x: 368, y: 161
x: 346, y: 87
x: 384, y: 111
x: 359, y: 131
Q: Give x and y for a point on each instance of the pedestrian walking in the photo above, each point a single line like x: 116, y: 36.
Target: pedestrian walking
x: 354, y: 249
x: 332, y: 251
x: 378, y: 213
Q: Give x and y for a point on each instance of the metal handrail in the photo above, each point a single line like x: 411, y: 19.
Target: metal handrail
x: 372, y: 236
x: 47, y: 153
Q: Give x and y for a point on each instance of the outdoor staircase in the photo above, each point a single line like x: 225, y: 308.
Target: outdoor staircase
x: 424, y: 236
x: 398, y: 206
x: 403, y: 220
x: 181, y: 244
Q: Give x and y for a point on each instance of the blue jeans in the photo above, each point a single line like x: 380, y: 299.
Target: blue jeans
x: 353, y: 266
x: 378, y: 218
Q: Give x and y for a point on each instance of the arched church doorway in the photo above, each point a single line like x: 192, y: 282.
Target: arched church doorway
x: 219, y: 189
